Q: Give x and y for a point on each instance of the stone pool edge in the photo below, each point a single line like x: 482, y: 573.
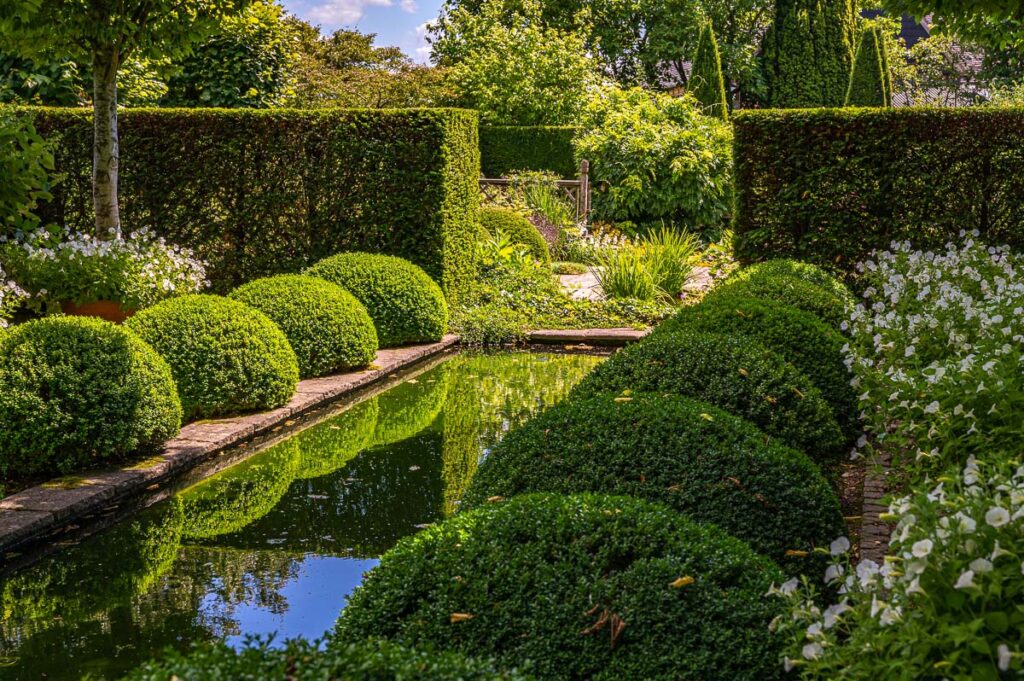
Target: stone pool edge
x: 599, y: 337
x: 37, y: 511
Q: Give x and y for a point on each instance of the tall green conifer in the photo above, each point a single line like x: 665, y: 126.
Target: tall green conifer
x: 707, y: 83
x: 867, y: 80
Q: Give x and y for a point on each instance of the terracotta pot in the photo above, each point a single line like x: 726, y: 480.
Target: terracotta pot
x: 104, y: 309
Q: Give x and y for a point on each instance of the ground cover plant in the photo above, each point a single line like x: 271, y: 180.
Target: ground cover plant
x: 706, y: 463
x: 78, y: 393
x: 226, y: 357
x: 732, y: 373
x: 406, y: 305
x: 618, y: 588
x: 329, y: 330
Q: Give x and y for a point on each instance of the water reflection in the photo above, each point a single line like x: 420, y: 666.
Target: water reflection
x: 274, y: 544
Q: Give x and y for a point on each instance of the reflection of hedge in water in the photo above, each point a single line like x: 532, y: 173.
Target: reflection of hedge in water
x: 360, y: 510
x: 92, y: 577
x: 242, y: 494
x: 461, y: 450
x: 328, y: 446
x: 412, y: 406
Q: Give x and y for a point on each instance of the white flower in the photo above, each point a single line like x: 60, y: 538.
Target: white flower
x: 980, y: 566
x: 812, y: 651
x: 932, y: 408
x: 967, y: 523
x: 789, y: 587
x: 833, y: 612
x: 1004, y: 655
x: 833, y: 573
x: 997, y: 516
x: 890, y: 616
x: 839, y: 546
x: 866, y: 571
x: 922, y: 548
x: 965, y: 581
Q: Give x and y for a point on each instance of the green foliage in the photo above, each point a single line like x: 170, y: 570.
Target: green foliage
x: 41, y: 80
x: 690, y: 596
x: 624, y: 273
x: 78, y: 392
x: 659, y: 156
x: 996, y: 9
x: 299, y: 660
x: 809, y: 344
x: 572, y: 268
x: 732, y: 373
x: 25, y: 162
x: 329, y: 330
x: 406, y: 305
x: 517, y: 228
x: 407, y: 409
x: 657, y: 265
x: 513, y: 70
x: 706, y: 83
x: 829, y: 187
x: 267, y: 192
x: 711, y: 466
x: 246, y: 63
x: 790, y: 290
x: 324, y: 449
x: 505, y: 150
x: 809, y: 53
x: 868, y: 80
x: 784, y: 267
x: 225, y: 356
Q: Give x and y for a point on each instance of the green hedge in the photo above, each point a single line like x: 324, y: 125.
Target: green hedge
x: 831, y: 185
x: 507, y: 149
x: 789, y: 289
x: 732, y: 373
x: 710, y: 465
x: 551, y: 579
x: 267, y: 192
x: 517, y: 228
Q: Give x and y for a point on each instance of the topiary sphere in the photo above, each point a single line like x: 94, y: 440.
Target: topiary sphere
x: 811, y: 345
x: 77, y: 392
x: 226, y: 357
x: 517, y: 228
x: 406, y: 305
x: 329, y: 330
x: 301, y: 660
x: 791, y: 290
x: 582, y: 587
x: 806, y: 271
x: 732, y: 373
x: 706, y: 463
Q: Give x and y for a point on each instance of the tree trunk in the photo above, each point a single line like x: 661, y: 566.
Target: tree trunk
x: 105, y: 152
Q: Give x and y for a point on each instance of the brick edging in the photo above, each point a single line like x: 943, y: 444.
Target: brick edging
x: 36, y: 511
x: 875, y: 532
x: 604, y: 337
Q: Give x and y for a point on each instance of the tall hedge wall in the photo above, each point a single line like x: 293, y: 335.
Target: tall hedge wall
x: 263, y: 192
x: 828, y: 186
x: 506, y: 149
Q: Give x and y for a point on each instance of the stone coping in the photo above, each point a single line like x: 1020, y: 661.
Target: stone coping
x: 602, y: 337
x: 36, y: 511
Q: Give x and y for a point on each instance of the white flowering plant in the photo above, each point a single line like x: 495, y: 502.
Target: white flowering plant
x: 11, y: 297
x: 948, y: 602
x: 137, y: 270
x: 937, y: 349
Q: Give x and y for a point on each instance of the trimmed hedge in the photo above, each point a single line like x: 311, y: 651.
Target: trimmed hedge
x: 504, y: 150
x: 300, y: 660
x: 706, y: 463
x: 77, y: 392
x: 785, y: 267
x: 225, y: 356
x: 405, y: 304
x: 787, y: 289
x: 830, y: 186
x: 809, y: 344
x: 260, y: 192
x: 584, y: 587
x: 328, y: 329
x: 517, y: 228
x: 732, y: 373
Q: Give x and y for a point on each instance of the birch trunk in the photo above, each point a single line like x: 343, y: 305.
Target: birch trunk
x: 105, y: 152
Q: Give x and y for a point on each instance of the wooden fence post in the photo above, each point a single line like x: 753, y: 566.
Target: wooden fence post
x: 583, y: 207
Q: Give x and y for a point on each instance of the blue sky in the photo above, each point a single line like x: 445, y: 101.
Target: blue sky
x: 396, y: 22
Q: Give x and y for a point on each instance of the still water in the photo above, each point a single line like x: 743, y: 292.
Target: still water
x: 274, y: 544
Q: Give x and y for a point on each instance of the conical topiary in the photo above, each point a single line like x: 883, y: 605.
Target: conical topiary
x: 886, y: 69
x: 708, y: 85
x: 867, y: 80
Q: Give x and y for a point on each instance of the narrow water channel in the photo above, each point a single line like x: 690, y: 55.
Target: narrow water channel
x: 273, y: 545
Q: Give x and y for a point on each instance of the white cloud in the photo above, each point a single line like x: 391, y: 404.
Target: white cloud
x: 409, y: 6
x: 421, y: 52
x: 344, y: 12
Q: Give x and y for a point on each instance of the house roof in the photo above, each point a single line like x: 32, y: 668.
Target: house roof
x: 911, y: 30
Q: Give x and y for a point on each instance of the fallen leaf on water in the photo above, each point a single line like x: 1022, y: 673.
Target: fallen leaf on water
x: 461, y: 617
x: 623, y: 399
x: 682, y: 581
x: 495, y: 499
x: 335, y: 427
x: 412, y: 380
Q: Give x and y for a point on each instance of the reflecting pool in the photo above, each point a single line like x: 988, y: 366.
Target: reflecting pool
x: 274, y: 544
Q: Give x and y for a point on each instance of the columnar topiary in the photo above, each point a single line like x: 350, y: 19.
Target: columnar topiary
x: 791, y: 290
x: 710, y: 465
x: 328, y: 329
x: 301, y: 660
x: 406, y: 305
x: 708, y: 85
x: 78, y: 392
x: 811, y: 345
x: 732, y: 373
x: 517, y: 228
x: 582, y: 587
x: 225, y: 356
x: 867, y: 79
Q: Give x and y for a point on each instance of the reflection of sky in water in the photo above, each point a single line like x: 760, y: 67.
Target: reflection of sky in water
x: 273, y: 546
x: 313, y: 597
